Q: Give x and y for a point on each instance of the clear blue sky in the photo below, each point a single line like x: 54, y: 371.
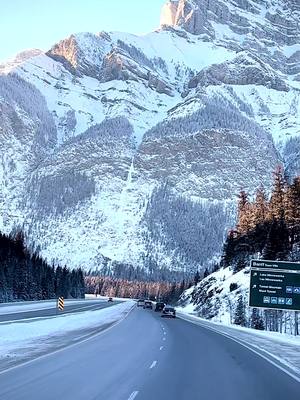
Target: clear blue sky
x: 38, y: 24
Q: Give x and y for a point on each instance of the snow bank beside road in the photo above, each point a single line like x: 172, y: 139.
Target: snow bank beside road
x: 283, y: 348
x: 20, y: 307
x: 22, y: 340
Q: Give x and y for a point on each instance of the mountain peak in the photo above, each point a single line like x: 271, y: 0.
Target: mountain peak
x: 169, y: 12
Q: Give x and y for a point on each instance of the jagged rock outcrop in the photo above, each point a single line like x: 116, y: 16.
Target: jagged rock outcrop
x: 245, y: 69
x: 72, y: 53
x: 242, y: 17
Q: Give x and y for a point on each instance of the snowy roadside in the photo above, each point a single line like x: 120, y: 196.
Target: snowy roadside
x: 20, y: 342
x: 275, y: 346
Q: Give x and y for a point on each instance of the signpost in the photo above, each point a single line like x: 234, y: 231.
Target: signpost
x: 275, y: 285
x: 60, y: 304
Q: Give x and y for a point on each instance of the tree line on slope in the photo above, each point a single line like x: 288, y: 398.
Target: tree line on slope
x: 216, y: 113
x: 135, y: 289
x: 181, y: 225
x: 267, y: 229
x: 26, y: 276
x: 148, y: 271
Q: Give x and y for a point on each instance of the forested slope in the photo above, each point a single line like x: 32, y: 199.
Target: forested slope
x: 26, y: 276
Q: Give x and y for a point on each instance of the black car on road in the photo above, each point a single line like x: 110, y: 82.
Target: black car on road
x: 148, y: 304
x: 159, y: 306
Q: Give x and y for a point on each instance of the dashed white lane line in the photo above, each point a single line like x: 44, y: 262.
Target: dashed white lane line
x: 133, y: 395
x: 153, y: 364
x: 161, y: 347
x: 164, y: 338
x: 165, y: 333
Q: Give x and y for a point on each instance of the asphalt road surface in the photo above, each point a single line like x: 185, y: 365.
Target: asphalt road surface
x: 81, y: 306
x: 145, y: 357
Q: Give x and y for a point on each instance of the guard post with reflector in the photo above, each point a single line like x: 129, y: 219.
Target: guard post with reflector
x: 60, y: 304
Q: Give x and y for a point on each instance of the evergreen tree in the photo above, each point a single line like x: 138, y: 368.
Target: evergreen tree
x: 239, y: 315
x: 206, y: 273
x: 277, y: 241
x: 260, y: 208
x: 256, y: 320
x: 228, y: 250
x: 197, y: 278
x: 276, y: 207
x: 292, y: 209
x: 239, y: 266
x: 244, y: 213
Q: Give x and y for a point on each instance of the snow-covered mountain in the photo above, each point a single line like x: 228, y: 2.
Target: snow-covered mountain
x: 133, y: 148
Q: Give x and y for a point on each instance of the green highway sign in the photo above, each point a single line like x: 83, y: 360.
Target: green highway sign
x: 275, y: 285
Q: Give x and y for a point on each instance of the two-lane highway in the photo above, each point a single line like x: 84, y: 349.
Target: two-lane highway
x: 51, y: 310
x: 146, y: 357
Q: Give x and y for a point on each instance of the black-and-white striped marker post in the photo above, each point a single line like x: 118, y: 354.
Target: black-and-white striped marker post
x: 60, y: 304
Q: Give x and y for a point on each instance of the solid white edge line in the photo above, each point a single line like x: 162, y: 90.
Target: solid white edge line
x: 84, y: 339
x: 247, y: 346
x: 133, y: 395
x: 153, y: 365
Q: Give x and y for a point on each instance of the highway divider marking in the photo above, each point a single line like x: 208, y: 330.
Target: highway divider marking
x: 153, y: 364
x: 164, y: 338
x: 133, y: 395
x: 161, y: 347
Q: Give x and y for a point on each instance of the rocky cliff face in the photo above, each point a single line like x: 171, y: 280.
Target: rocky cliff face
x: 268, y: 27
x: 104, y: 134
x: 264, y: 20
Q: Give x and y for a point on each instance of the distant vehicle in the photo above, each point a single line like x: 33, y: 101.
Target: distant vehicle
x: 148, y: 304
x: 159, y: 306
x: 140, y: 303
x: 169, y: 312
x: 110, y: 299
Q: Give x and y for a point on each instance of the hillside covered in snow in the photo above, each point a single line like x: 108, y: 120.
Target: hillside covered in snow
x: 124, y: 149
x: 268, y: 230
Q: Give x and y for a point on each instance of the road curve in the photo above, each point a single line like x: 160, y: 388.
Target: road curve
x: 146, y: 357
